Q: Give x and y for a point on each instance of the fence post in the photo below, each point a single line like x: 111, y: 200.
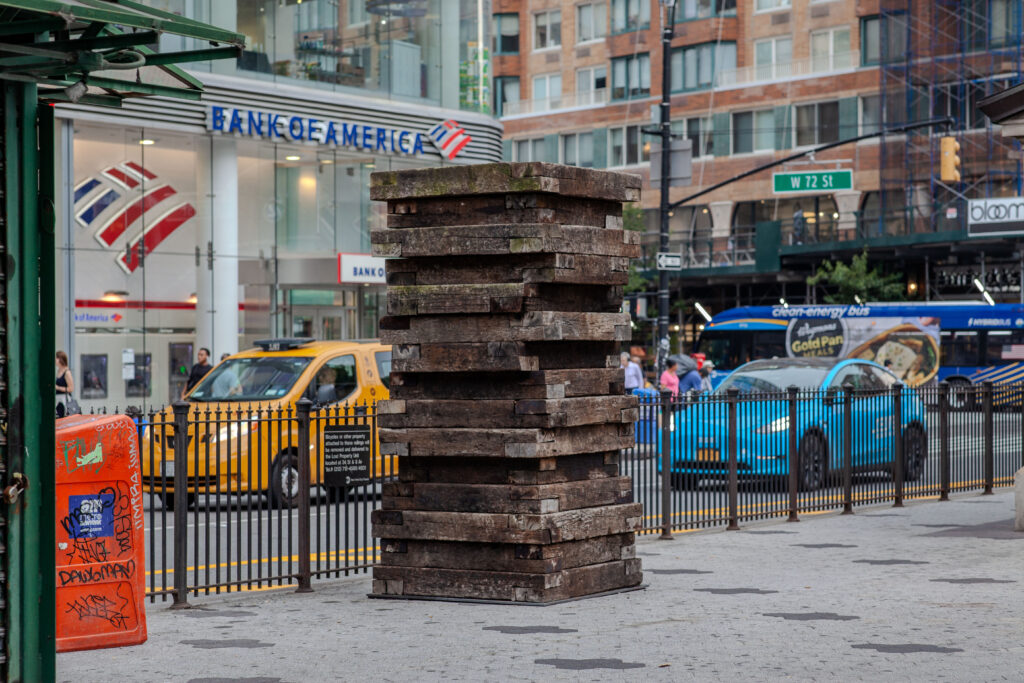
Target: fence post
x: 181, y: 458
x: 989, y: 427
x: 897, y: 445
x: 793, y: 484
x: 848, y: 450
x: 666, y: 466
x: 302, y: 408
x: 944, y: 462
x: 734, y: 515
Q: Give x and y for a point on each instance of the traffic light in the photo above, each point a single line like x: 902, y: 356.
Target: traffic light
x: 949, y: 160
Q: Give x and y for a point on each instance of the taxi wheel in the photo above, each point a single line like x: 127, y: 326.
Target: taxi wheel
x: 813, y: 462
x: 168, y: 500
x: 915, y: 450
x: 284, y: 481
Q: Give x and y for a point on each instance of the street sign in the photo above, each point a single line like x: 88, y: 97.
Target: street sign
x: 812, y: 181
x: 346, y: 451
x: 681, y: 163
x: 669, y: 261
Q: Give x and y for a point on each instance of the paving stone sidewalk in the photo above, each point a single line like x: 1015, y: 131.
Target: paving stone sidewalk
x: 930, y: 592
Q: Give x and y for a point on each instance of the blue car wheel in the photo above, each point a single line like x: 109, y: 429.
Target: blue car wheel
x: 915, y: 450
x: 813, y: 470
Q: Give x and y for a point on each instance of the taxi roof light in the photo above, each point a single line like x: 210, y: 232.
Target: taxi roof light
x: 283, y: 343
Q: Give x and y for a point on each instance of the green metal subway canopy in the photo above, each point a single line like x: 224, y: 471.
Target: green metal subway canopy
x: 97, y: 51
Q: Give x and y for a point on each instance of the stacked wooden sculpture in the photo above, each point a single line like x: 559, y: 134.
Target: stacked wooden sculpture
x: 507, y: 409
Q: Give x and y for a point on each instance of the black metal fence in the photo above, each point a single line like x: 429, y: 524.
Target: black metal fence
x: 739, y: 457
x: 244, y: 510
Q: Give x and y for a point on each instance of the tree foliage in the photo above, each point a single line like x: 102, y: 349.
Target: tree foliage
x: 846, y: 282
x: 633, y: 219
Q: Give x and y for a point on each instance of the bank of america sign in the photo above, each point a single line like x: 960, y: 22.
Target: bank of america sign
x: 995, y: 217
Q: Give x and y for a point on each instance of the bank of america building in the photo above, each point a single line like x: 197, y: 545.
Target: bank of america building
x: 247, y: 214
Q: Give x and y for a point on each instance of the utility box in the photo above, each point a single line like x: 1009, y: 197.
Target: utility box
x: 101, y: 560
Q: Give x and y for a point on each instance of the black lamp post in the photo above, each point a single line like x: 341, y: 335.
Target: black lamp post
x: 667, y: 25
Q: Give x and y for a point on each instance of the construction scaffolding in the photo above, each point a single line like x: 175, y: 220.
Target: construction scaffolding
x: 939, y: 58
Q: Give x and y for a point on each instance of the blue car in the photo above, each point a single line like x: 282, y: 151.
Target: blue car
x: 700, y: 429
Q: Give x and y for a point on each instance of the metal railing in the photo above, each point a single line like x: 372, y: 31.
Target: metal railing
x: 244, y: 511
x: 540, y: 105
x: 808, y: 67
x: 742, y: 457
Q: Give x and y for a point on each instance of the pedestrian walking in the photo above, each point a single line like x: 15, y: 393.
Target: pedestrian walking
x: 669, y: 380
x: 199, y: 370
x: 690, y: 381
x: 705, y: 376
x: 634, y: 374
x: 65, y: 387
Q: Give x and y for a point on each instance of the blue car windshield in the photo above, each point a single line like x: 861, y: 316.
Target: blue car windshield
x: 773, y: 378
x: 250, y: 379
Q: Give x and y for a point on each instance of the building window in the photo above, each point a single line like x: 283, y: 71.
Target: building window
x: 1002, y: 21
x: 753, y: 131
x: 627, y: 147
x: 578, y: 149
x: 870, y: 114
x: 506, y: 34
x: 630, y: 15
x: 357, y: 13
x: 817, y: 124
x: 882, y: 40
x: 689, y: 10
x: 631, y: 77
x: 830, y: 50
x: 547, y: 29
x: 769, y: 5
x: 590, y: 21
x: 506, y: 95
x: 698, y: 131
x: 547, y: 92
x: 773, y: 58
x: 528, y: 150
x: 591, y: 85
x: 694, y: 68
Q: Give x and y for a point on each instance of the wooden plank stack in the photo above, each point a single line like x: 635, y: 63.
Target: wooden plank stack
x: 507, y: 410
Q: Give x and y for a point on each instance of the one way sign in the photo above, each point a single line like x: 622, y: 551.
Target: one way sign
x: 669, y: 261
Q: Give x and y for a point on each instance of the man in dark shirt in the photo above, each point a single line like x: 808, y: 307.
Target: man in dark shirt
x: 199, y: 370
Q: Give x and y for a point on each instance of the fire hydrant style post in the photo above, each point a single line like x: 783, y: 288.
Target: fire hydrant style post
x: 507, y: 408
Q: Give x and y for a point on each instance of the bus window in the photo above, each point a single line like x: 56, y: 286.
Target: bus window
x: 960, y: 348
x: 1004, y: 346
x: 769, y: 344
x: 727, y: 350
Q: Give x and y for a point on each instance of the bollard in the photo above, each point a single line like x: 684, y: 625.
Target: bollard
x: 302, y: 408
x: 180, y: 504
x: 897, y: 445
x: 848, y: 450
x: 988, y: 427
x: 734, y: 514
x: 944, y: 462
x: 794, y: 457
x: 666, y: 466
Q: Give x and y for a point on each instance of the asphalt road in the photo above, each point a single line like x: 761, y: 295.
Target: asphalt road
x: 239, y: 539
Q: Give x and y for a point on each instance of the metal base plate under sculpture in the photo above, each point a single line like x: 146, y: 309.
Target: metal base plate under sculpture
x: 507, y: 411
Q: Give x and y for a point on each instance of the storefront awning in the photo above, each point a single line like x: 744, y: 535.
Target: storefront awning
x: 97, y: 51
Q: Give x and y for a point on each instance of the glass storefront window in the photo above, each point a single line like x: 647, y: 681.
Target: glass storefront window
x: 400, y: 49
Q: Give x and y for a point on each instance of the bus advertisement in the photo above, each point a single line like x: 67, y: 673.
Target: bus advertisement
x: 961, y: 343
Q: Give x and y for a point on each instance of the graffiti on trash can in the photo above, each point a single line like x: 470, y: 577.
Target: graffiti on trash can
x: 101, y: 607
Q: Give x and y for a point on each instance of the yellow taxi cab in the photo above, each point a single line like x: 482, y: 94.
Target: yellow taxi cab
x: 243, y: 435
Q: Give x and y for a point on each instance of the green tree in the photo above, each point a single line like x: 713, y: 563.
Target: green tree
x: 846, y: 282
x: 633, y: 219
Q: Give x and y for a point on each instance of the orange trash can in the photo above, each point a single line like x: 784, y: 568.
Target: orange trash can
x: 101, y: 561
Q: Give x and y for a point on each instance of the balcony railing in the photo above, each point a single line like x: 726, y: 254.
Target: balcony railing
x: 800, y: 68
x: 587, y: 98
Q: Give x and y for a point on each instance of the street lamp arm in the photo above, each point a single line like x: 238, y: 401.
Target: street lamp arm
x: 947, y: 121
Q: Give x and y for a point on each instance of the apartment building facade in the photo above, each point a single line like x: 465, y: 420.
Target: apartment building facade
x: 753, y: 81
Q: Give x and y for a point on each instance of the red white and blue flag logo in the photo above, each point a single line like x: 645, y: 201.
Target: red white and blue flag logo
x: 128, y: 201
x: 449, y: 138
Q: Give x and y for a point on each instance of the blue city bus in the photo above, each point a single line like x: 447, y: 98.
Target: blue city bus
x: 961, y: 343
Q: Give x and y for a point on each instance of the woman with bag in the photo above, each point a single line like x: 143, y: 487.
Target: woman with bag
x: 65, y: 384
